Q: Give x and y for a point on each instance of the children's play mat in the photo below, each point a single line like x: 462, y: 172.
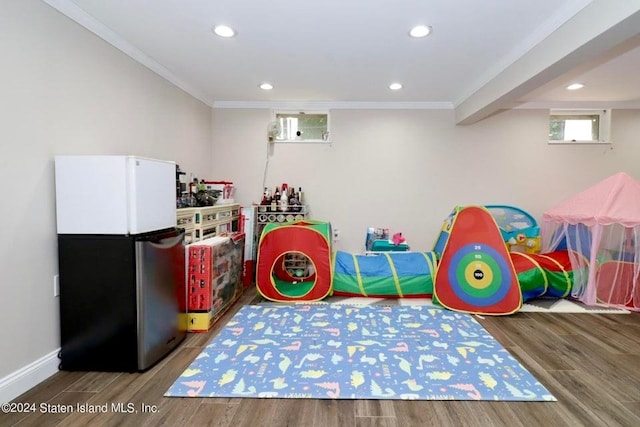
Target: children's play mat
x: 333, y: 351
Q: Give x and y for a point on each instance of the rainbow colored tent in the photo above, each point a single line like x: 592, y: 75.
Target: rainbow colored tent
x: 294, y: 261
x: 475, y: 273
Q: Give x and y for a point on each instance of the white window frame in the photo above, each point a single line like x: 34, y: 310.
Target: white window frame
x: 604, y: 127
x: 324, y: 140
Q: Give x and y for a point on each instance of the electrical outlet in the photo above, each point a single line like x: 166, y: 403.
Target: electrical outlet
x: 336, y: 234
x: 56, y: 285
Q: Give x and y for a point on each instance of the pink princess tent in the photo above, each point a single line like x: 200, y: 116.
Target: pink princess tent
x: 601, y: 228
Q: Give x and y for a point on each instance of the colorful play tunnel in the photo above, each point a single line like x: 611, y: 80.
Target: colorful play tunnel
x: 545, y: 275
x: 470, y: 269
x: 279, y: 244
x: 386, y: 275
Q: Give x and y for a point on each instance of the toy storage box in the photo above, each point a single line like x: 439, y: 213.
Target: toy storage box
x: 214, y: 279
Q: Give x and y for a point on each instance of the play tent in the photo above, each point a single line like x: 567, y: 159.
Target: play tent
x: 282, y: 246
x: 601, y: 228
x: 475, y: 273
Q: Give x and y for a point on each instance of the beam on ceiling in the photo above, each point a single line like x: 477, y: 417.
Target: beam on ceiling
x: 599, y: 27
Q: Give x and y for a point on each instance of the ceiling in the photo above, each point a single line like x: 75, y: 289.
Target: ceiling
x: 345, y: 53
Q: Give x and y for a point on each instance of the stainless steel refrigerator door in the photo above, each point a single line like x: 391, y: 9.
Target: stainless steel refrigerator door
x: 161, y: 290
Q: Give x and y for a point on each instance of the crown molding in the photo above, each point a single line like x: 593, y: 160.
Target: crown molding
x: 332, y: 105
x: 579, y: 105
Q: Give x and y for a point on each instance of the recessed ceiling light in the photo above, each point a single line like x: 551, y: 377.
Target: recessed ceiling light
x: 266, y: 86
x: 224, y: 31
x: 420, y: 31
x: 575, y: 86
x: 395, y: 86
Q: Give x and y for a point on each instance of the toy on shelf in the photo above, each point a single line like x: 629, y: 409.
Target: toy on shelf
x: 379, y: 240
x: 374, y: 234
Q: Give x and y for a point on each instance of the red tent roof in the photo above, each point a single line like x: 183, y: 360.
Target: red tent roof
x: 615, y: 200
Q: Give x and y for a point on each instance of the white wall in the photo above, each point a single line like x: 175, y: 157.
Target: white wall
x: 65, y: 91
x: 406, y: 169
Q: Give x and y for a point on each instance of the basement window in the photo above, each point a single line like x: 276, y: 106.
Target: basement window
x: 302, y: 126
x: 579, y: 126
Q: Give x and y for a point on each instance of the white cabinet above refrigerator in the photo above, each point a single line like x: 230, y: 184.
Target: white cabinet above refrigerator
x: 112, y: 194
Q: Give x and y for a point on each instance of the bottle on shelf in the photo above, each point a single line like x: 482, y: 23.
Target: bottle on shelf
x: 264, y: 197
x: 193, y: 186
x: 294, y: 204
x: 265, y: 200
x: 300, y: 196
x: 284, y: 199
x: 275, y: 199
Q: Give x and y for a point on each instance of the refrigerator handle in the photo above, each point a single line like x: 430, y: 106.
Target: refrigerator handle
x: 166, y: 240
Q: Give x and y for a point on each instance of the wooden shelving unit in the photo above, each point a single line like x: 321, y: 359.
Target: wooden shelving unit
x: 208, y: 221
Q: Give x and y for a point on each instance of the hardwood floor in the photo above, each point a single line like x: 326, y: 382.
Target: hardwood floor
x: 590, y: 362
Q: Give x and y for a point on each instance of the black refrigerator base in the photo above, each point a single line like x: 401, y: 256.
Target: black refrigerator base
x: 120, y: 300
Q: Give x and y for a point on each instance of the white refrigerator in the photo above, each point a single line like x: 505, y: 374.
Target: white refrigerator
x: 121, y: 262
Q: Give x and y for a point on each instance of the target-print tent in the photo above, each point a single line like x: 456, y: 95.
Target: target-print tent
x: 281, y: 245
x: 475, y: 273
x: 601, y: 228
x: 386, y: 275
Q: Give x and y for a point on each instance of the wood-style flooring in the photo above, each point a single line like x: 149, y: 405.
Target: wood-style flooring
x: 590, y: 362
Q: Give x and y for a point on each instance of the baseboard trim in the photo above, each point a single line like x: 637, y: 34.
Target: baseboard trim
x: 27, y: 377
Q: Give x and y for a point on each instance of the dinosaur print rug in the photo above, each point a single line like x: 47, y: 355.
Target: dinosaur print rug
x: 331, y: 351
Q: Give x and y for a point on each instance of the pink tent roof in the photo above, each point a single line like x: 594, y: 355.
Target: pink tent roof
x: 615, y: 200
